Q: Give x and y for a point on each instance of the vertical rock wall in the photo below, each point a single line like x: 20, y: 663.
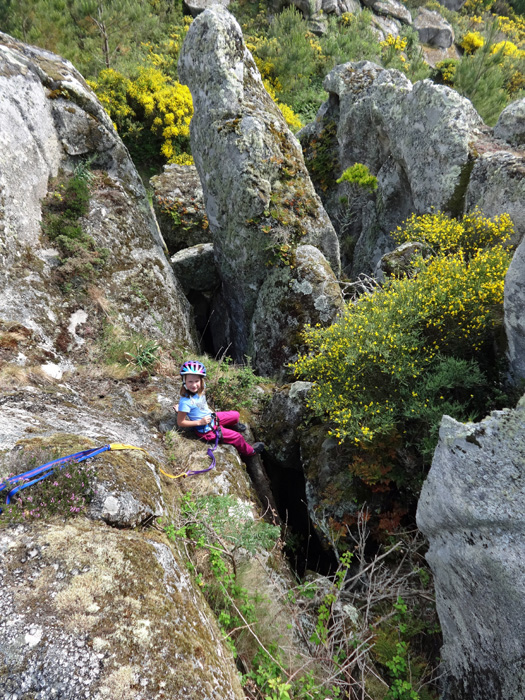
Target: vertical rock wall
x: 471, y: 510
x: 259, y: 199
x: 50, y: 121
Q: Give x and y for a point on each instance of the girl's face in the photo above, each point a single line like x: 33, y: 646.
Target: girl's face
x: 193, y: 383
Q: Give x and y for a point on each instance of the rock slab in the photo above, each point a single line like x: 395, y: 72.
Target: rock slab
x: 471, y: 510
x: 259, y: 199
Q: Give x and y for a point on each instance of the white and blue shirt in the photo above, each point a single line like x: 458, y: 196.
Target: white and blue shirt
x: 196, y: 407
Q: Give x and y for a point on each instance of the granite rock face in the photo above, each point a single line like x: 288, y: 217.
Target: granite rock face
x: 390, y: 8
x: 288, y: 300
x: 417, y: 139
x: 179, y: 206
x: 511, y: 124
x: 497, y: 186
x: 259, y: 199
x: 433, y: 29
x: 471, y: 510
x: 51, y: 122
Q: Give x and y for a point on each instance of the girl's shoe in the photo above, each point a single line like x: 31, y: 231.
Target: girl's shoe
x: 258, y: 447
x: 240, y: 427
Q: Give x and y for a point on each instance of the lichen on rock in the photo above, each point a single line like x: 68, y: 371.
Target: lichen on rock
x: 258, y: 195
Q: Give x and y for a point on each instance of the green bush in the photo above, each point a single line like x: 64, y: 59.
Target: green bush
x: 66, y: 203
x: 399, y: 358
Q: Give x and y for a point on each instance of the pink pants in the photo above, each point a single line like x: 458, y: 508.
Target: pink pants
x: 230, y: 437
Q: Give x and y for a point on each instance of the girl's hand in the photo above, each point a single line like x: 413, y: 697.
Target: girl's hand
x: 204, y: 420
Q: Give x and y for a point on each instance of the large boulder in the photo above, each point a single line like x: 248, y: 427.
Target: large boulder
x: 390, y: 8
x: 513, y: 303
x: 471, y: 510
x: 417, y: 139
x: 51, y: 123
x: 511, y: 124
x: 497, y: 186
x: 179, y: 206
x: 433, y: 29
x: 292, y: 297
x: 259, y: 198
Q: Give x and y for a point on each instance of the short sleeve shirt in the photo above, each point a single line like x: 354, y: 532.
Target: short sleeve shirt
x: 196, y: 407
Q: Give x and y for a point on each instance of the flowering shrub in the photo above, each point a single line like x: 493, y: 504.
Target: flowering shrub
x: 152, y: 113
x: 447, y: 235
x: 472, y: 41
x: 399, y: 358
x: 65, y: 493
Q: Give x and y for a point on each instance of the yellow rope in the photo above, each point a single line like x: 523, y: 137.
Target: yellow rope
x: 172, y: 476
x: 120, y: 446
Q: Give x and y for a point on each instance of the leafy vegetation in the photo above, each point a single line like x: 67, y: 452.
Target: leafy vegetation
x: 65, y: 493
x: 419, y: 347
x: 66, y: 203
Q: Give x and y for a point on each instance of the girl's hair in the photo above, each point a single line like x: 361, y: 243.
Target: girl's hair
x: 185, y: 392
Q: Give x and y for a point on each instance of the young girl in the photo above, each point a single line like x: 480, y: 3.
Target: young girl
x: 193, y: 412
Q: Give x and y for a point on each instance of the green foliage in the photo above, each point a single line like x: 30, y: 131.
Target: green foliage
x: 66, y: 203
x: 288, y: 43
x: 358, y: 174
x: 144, y: 355
x: 151, y: 111
x: 481, y: 78
x: 93, y: 34
x: 399, y: 358
x: 65, y: 493
x: 230, y: 385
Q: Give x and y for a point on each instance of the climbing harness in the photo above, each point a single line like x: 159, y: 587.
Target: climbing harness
x: 39, y: 473
x: 193, y: 472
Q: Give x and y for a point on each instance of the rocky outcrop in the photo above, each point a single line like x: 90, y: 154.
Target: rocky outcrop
x: 513, y: 303
x: 510, y: 126
x: 303, y: 293
x: 51, y: 122
x: 433, y: 29
x: 95, y: 612
x: 179, y: 206
x: 471, y: 510
x: 195, y: 7
x: 259, y: 199
x: 195, y: 268
x: 497, y: 186
x: 417, y: 139
x: 390, y: 8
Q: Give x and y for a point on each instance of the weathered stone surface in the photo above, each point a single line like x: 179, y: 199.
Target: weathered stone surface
x: 383, y: 26
x: 281, y: 420
x: 257, y: 191
x: 417, y: 139
x: 339, y: 7
x: 95, y: 612
x: 513, y: 303
x: 511, y: 124
x: 471, y: 510
x: 398, y: 262
x: 433, y: 29
x: 195, y: 7
x: 497, y: 186
x: 288, y: 300
x: 179, y: 207
x: 50, y: 121
x: 195, y: 268
x: 390, y: 8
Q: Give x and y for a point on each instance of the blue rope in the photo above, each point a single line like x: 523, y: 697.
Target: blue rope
x: 49, y: 467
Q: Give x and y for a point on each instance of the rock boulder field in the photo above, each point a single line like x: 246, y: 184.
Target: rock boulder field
x: 425, y: 143
x: 259, y: 199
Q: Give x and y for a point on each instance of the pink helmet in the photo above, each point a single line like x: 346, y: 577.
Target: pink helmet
x: 193, y: 367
